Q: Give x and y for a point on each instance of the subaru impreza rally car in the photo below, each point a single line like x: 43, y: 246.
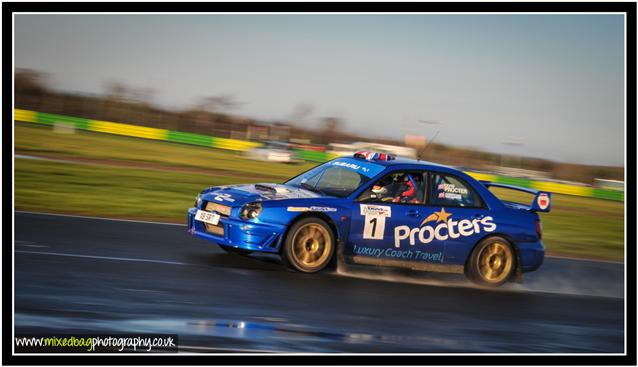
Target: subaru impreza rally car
x: 374, y: 209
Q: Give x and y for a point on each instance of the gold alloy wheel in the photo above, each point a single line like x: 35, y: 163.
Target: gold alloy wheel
x: 495, y: 262
x: 311, y: 245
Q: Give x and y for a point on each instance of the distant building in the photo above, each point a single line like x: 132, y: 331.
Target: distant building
x: 609, y: 184
x: 399, y: 151
x: 518, y: 172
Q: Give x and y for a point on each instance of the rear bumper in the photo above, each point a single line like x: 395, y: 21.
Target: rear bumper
x: 242, y: 234
x: 532, y: 255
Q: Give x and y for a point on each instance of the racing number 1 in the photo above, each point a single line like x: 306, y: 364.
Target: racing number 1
x: 374, y: 227
x: 373, y: 221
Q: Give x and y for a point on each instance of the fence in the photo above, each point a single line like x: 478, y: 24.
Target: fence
x: 309, y: 155
x: 134, y: 131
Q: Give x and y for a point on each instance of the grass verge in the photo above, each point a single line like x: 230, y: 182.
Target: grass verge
x: 109, y: 191
x: 41, y: 140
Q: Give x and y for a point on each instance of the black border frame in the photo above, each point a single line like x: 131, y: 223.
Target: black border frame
x: 628, y: 8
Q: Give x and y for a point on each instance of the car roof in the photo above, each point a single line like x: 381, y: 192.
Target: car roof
x: 407, y: 161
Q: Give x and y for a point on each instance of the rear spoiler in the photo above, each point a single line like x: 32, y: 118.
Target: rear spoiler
x: 542, y: 199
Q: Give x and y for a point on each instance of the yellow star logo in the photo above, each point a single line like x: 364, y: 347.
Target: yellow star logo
x: 441, y: 216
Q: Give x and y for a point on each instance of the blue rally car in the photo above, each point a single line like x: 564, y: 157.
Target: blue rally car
x: 374, y: 209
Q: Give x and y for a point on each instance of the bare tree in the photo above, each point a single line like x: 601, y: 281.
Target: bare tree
x: 219, y: 103
x: 31, y: 87
x: 142, y: 96
x: 29, y: 81
x: 116, y: 90
x: 116, y: 95
x: 300, y: 112
x: 330, y: 130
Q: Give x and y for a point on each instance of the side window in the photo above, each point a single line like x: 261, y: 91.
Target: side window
x: 406, y: 187
x: 447, y: 190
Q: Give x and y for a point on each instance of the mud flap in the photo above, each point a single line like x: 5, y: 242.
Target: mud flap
x: 340, y: 258
x: 517, y: 277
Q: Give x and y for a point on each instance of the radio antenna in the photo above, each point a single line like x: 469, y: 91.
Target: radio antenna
x: 434, y: 137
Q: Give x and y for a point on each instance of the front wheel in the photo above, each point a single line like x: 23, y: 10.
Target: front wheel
x: 309, y: 245
x: 491, y: 262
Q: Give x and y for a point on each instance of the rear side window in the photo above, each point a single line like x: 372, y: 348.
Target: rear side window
x: 448, y: 190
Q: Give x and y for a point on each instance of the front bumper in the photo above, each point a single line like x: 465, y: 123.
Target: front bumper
x: 532, y: 255
x: 248, y: 235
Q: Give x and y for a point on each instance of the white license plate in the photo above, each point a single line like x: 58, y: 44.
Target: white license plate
x: 210, y: 218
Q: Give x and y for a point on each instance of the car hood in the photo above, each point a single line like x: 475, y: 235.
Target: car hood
x: 237, y: 195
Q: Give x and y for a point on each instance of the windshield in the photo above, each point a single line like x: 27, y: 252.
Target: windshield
x: 339, y: 177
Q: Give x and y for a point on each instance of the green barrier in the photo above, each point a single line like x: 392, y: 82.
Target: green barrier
x: 608, y: 194
x: 45, y: 118
x: 311, y: 155
x: 189, y: 138
x: 522, y: 182
x: 52, y: 119
x: 83, y: 124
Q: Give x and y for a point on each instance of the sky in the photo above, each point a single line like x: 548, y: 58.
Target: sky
x: 552, y: 83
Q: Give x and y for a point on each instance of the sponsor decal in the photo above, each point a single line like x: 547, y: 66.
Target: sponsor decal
x: 440, y: 226
x: 311, y: 209
x: 298, y: 209
x: 374, y: 221
x: 450, y: 188
x: 366, y: 168
x: 224, y: 197
x: 353, y: 166
x: 543, y: 201
x: 398, y: 254
x: 378, y: 210
x: 447, y: 195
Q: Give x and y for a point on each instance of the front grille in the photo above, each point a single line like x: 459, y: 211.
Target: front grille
x: 222, y: 210
x: 217, y: 230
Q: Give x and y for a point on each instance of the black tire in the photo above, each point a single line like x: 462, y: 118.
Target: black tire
x: 309, y: 245
x: 492, y: 262
x: 236, y: 251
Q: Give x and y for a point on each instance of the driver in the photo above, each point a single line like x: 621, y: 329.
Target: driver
x: 409, y: 189
x: 381, y: 190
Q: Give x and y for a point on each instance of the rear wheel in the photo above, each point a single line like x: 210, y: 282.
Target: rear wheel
x: 237, y: 251
x: 491, y: 262
x: 309, y: 245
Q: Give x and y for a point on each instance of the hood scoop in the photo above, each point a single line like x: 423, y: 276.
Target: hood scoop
x: 271, y: 189
x: 237, y: 195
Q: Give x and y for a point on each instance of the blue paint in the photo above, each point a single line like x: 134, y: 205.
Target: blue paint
x: 411, y: 232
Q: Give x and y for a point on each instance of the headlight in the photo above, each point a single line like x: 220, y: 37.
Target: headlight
x: 198, y: 201
x: 250, y: 211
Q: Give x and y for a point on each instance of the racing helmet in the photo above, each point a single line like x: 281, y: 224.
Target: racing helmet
x: 379, y: 190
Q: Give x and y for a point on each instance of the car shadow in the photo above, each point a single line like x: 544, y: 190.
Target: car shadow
x: 225, y: 260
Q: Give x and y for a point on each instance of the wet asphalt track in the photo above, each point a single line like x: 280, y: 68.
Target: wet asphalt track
x: 75, y: 275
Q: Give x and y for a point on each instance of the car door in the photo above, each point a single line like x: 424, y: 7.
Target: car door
x: 457, y: 215
x: 385, y: 224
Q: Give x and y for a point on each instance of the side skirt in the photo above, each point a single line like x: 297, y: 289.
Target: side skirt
x: 423, y: 266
